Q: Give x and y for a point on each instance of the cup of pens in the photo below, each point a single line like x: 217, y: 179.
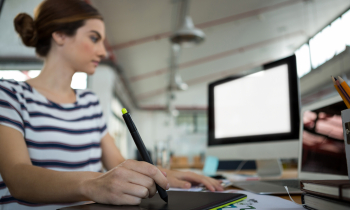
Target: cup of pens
x: 344, y: 92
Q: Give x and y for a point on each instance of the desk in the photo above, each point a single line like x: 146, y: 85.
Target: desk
x: 287, y: 174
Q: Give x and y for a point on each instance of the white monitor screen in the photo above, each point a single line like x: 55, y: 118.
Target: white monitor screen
x: 256, y: 104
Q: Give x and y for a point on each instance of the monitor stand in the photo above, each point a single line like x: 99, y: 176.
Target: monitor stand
x: 269, y: 168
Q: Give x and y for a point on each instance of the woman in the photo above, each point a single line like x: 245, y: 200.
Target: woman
x: 53, y: 139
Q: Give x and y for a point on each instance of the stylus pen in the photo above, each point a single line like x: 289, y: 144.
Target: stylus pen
x: 141, y: 147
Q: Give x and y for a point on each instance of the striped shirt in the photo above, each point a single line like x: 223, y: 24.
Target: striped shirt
x: 61, y: 137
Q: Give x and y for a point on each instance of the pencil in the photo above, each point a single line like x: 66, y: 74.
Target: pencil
x: 343, y: 91
x: 344, y: 85
x: 340, y: 93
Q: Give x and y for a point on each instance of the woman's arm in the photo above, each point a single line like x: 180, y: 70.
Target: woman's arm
x: 126, y: 184
x: 111, y: 156
x: 22, y: 178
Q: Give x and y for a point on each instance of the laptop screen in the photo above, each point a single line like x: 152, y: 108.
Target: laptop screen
x: 323, y: 149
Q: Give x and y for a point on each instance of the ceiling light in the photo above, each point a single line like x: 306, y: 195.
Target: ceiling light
x: 188, y: 36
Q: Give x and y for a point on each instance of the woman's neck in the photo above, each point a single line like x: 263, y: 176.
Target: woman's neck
x: 56, y: 76
x: 54, y: 80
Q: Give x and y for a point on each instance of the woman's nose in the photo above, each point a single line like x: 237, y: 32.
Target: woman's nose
x: 102, y: 51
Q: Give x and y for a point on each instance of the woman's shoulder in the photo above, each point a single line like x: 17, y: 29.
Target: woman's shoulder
x: 14, y: 89
x: 14, y: 85
x: 86, y: 95
x: 87, y: 98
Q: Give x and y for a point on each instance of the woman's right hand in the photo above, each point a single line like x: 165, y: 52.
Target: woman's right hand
x: 126, y: 184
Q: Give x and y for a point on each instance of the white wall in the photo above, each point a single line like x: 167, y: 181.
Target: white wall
x: 102, y: 83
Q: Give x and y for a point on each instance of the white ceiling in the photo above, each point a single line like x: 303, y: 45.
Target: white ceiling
x: 240, y: 35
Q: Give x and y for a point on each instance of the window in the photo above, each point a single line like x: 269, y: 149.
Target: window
x: 327, y: 43
x: 331, y: 41
x: 13, y: 74
x: 79, y: 80
x: 192, y: 122
x: 346, y: 29
x: 303, y: 60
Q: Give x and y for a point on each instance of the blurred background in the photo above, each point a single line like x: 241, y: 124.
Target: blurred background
x: 162, y: 78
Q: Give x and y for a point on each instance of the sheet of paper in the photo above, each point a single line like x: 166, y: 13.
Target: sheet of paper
x: 261, y: 202
x: 192, y: 189
x: 226, y: 183
x: 201, y: 187
x: 240, y: 177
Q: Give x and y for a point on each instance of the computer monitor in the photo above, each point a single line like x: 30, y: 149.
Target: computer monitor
x: 255, y: 116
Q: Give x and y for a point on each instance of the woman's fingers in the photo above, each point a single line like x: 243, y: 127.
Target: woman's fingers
x: 126, y: 199
x: 143, y: 180
x: 175, y: 182
x: 210, y: 183
x: 148, y: 170
x: 216, y: 184
x: 136, y: 190
x: 125, y: 184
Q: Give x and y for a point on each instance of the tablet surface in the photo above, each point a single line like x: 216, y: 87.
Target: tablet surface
x: 177, y: 200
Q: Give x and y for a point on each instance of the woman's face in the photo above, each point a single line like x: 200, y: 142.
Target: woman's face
x: 85, y: 49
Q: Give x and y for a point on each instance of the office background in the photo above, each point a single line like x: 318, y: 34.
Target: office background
x: 240, y: 36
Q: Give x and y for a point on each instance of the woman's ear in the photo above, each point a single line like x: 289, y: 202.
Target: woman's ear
x: 59, y: 38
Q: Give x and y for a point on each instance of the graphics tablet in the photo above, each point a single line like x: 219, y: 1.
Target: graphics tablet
x: 177, y: 200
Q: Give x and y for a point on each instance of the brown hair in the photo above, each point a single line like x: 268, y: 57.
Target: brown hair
x: 65, y: 16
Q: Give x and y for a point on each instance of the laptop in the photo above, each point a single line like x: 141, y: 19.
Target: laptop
x: 321, y: 149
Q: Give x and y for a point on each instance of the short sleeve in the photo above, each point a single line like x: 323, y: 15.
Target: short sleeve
x: 10, y: 107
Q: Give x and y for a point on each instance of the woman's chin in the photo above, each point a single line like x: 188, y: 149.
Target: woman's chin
x: 90, y: 71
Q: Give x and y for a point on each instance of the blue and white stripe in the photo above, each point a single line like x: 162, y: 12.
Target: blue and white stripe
x: 62, y: 137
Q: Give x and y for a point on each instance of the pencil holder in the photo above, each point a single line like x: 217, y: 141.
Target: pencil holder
x: 345, y: 116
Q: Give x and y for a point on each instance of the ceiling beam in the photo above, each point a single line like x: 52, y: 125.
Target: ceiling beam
x: 217, y: 56
x: 206, y: 78
x: 208, y: 24
x: 248, y: 14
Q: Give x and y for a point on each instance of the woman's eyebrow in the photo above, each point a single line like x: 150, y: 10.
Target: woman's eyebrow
x: 98, y: 34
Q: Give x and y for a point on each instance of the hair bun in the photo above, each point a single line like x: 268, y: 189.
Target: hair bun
x: 24, y: 25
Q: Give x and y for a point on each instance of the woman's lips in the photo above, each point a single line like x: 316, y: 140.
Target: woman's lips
x: 95, y: 63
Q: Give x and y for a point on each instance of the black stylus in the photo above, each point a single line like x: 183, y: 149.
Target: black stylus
x: 142, y: 148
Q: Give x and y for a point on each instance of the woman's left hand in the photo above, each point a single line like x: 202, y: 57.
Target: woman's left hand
x: 180, y: 179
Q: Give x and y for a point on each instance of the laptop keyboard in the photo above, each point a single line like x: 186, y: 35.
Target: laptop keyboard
x: 286, y: 182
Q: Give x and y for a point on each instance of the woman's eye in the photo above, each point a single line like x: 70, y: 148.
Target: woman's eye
x: 94, y: 39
